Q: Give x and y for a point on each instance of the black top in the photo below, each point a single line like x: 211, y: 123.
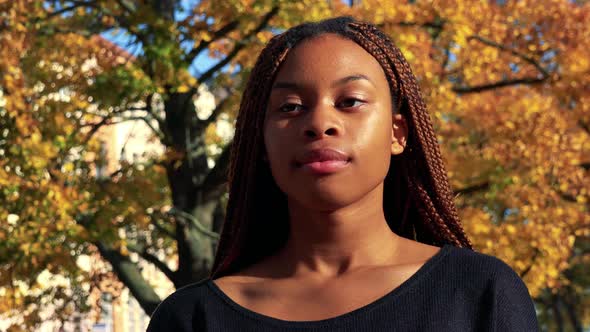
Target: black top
x: 455, y: 290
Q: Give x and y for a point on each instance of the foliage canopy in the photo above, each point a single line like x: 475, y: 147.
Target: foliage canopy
x: 507, y: 84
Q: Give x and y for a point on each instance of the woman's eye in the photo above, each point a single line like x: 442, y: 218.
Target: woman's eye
x: 350, y: 103
x: 290, y: 108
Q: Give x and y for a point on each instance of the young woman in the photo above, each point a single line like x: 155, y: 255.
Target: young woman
x: 340, y: 215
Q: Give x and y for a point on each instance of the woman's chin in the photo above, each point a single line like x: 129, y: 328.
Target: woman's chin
x: 325, y: 198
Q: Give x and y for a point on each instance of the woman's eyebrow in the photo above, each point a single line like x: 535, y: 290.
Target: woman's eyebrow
x: 286, y: 85
x: 340, y: 81
x: 350, y: 78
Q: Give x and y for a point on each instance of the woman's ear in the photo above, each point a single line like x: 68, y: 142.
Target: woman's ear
x: 399, y: 134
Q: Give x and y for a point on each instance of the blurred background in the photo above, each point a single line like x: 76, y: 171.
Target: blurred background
x: 116, y: 118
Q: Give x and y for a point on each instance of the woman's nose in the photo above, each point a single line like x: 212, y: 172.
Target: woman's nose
x: 320, y: 121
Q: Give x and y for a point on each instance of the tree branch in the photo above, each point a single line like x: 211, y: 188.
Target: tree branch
x: 158, y: 133
x: 432, y: 25
x: 214, y: 114
x: 75, y: 4
x: 496, y: 85
x: 223, y: 31
x: 533, y: 259
x: 512, y: 51
x: 165, y: 138
x: 195, y: 222
x: 585, y: 126
x: 94, y: 129
x: 239, y: 45
x: 214, y: 183
x: 154, y: 222
x: 130, y: 276
x: 142, y: 251
x: 127, y: 5
x: 131, y: 109
x: 473, y: 188
x: 504, y: 83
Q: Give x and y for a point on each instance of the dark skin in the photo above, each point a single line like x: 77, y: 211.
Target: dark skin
x: 330, y: 93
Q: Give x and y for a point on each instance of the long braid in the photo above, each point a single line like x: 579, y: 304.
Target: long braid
x: 424, y: 133
x: 417, y: 198
x: 244, y: 150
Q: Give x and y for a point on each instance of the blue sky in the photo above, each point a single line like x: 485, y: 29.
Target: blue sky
x: 123, y: 40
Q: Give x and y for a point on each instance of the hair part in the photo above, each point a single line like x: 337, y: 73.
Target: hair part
x: 417, y: 199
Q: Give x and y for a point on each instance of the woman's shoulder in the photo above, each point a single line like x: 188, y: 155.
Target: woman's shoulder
x: 469, y: 260
x: 176, y: 312
x: 481, y: 270
x: 191, y: 293
x: 485, y: 280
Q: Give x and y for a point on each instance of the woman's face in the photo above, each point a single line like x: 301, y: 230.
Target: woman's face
x: 330, y: 94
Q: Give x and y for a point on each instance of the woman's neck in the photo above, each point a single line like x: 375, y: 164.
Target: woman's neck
x: 331, y: 243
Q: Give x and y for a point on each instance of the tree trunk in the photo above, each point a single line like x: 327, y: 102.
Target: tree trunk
x: 130, y: 275
x: 572, y: 314
x: 557, y: 313
x: 185, y: 176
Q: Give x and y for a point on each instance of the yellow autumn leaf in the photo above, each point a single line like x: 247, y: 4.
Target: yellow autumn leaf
x: 183, y: 88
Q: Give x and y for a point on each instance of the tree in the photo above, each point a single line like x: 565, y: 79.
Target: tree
x: 61, y: 85
x: 508, y: 93
x: 507, y: 85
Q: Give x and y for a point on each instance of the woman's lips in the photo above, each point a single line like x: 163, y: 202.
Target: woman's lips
x: 323, y: 161
x: 325, y: 167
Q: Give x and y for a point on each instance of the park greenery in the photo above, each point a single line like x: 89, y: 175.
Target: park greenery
x: 507, y: 84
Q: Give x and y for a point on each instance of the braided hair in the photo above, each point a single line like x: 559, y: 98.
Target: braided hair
x: 417, y: 199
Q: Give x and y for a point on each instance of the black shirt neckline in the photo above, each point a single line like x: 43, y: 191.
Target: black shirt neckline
x: 408, y: 284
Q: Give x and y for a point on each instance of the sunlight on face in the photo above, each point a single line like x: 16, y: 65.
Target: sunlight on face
x: 329, y: 94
